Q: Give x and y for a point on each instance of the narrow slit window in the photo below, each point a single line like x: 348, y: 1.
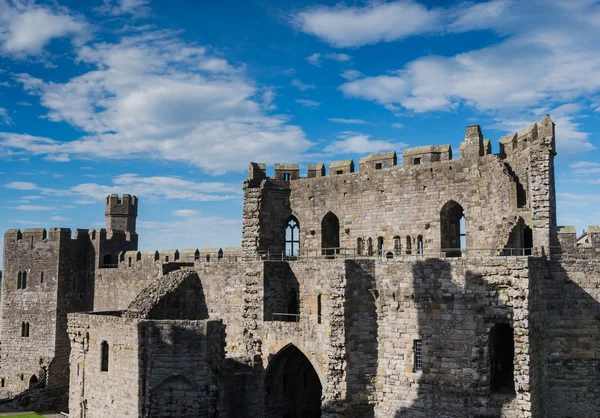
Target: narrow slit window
x: 370, y: 246
x: 319, y: 308
x: 359, y: 246
x: 397, y: 244
x: 408, y: 245
x: 286, y: 176
x: 418, y: 355
x: 42, y: 277
x: 420, y: 245
x: 20, y: 281
x: 24, y: 282
x: 380, y: 246
x: 104, y: 356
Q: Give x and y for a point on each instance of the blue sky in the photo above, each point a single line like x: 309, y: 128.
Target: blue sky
x: 170, y: 101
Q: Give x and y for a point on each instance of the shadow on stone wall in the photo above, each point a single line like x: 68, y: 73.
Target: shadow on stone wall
x: 454, y: 321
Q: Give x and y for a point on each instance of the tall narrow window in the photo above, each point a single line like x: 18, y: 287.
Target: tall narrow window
x: 25, y: 329
x: 286, y: 176
x: 418, y: 355
x: 380, y: 246
x: 292, y: 237
x: 359, y: 246
x: 370, y: 246
x: 33, y: 381
x: 104, y: 356
x: 453, y: 229
x: 24, y: 281
x: 319, y: 309
x: 408, y: 244
x: 330, y: 234
x: 22, y: 329
x: 42, y: 277
x: 502, y: 353
x: 397, y: 244
x: 31, y: 243
x: 20, y: 281
x: 129, y: 261
x: 420, y: 245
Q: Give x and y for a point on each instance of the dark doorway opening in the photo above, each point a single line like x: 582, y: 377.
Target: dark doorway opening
x: 453, y: 229
x: 502, y: 354
x: 293, y: 388
x: 330, y: 235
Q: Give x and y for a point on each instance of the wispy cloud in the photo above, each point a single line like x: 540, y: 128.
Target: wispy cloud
x: 357, y: 143
x: 316, y: 59
x: 351, y: 26
x: 348, y: 121
x: 5, y: 117
x: 34, y: 208
x: 308, y: 103
x: 26, y: 27
x: 152, y: 95
x: 301, y: 86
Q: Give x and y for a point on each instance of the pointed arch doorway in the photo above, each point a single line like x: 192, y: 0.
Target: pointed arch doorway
x: 292, y: 386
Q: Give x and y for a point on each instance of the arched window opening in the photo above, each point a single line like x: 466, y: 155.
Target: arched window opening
x: 20, y: 280
x: 502, y: 353
x: 359, y: 246
x: 420, y: 248
x: 138, y: 256
x: 22, y: 329
x: 24, y: 281
x: 380, y: 246
x: 104, y: 356
x: 293, y: 313
x: 208, y: 258
x: 319, y: 309
x: 292, y: 237
x: 369, y: 246
x: 520, y: 240
x: 166, y: 258
x: 33, y: 381
x: 408, y: 244
x: 330, y: 235
x: 453, y: 229
x: 389, y: 255
x: 397, y: 244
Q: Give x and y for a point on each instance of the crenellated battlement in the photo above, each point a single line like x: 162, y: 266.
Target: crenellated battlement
x: 473, y: 147
x: 136, y: 259
x: 569, y: 241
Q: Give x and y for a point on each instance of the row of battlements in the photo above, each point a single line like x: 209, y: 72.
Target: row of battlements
x: 474, y: 146
x: 188, y: 255
x: 37, y: 235
x: 568, y: 239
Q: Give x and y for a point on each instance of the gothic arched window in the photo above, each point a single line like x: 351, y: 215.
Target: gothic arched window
x: 292, y: 237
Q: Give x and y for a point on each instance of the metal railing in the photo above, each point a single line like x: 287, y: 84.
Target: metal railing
x: 351, y: 253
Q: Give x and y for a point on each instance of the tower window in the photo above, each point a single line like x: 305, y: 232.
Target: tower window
x: 370, y: 246
x: 502, y: 353
x: 397, y: 244
x: 286, y: 176
x: 418, y: 355
x: 25, y: 329
x: 104, y: 356
x: 378, y: 166
x: 319, y: 308
x: 41, y: 277
x: 380, y: 246
x: 20, y: 281
x: 420, y: 245
x: 417, y: 161
x: 359, y: 246
x: 408, y: 245
x: 292, y: 237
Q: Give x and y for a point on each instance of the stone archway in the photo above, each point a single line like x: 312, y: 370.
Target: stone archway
x: 292, y: 386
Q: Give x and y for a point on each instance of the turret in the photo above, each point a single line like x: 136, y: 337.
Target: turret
x: 121, y: 213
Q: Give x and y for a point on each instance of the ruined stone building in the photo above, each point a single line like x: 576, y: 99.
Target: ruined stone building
x: 438, y: 287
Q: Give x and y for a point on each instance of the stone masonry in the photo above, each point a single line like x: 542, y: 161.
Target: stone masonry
x: 439, y: 287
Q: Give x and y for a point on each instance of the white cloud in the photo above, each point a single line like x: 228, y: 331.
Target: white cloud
x: 155, y: 96
x: 301, y: 86
x: 308, y: 103
x: 60, y: 218
x: 156, y: 187
x: 4, y: 117
x: 351, y: 74
x: 34, y: 208
x: 397, y: 125
x: 268, y: 97
x: 21, y: 185
x: 137, y: 8
x: 348, y: 121
x: 185, y: 212
x: 314, y: 59
x: 499, y: 79
x: 26, y: 27
x: 356, y: 143
x: 350, y: 26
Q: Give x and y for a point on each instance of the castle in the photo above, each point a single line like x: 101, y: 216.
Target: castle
x: 439, y: 287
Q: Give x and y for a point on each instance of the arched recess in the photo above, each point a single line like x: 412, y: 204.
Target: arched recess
x: 452, y: 229
x: 292, y: 386
x: 175, y: 396
x: 33, y: 381
x: 330, y: 234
